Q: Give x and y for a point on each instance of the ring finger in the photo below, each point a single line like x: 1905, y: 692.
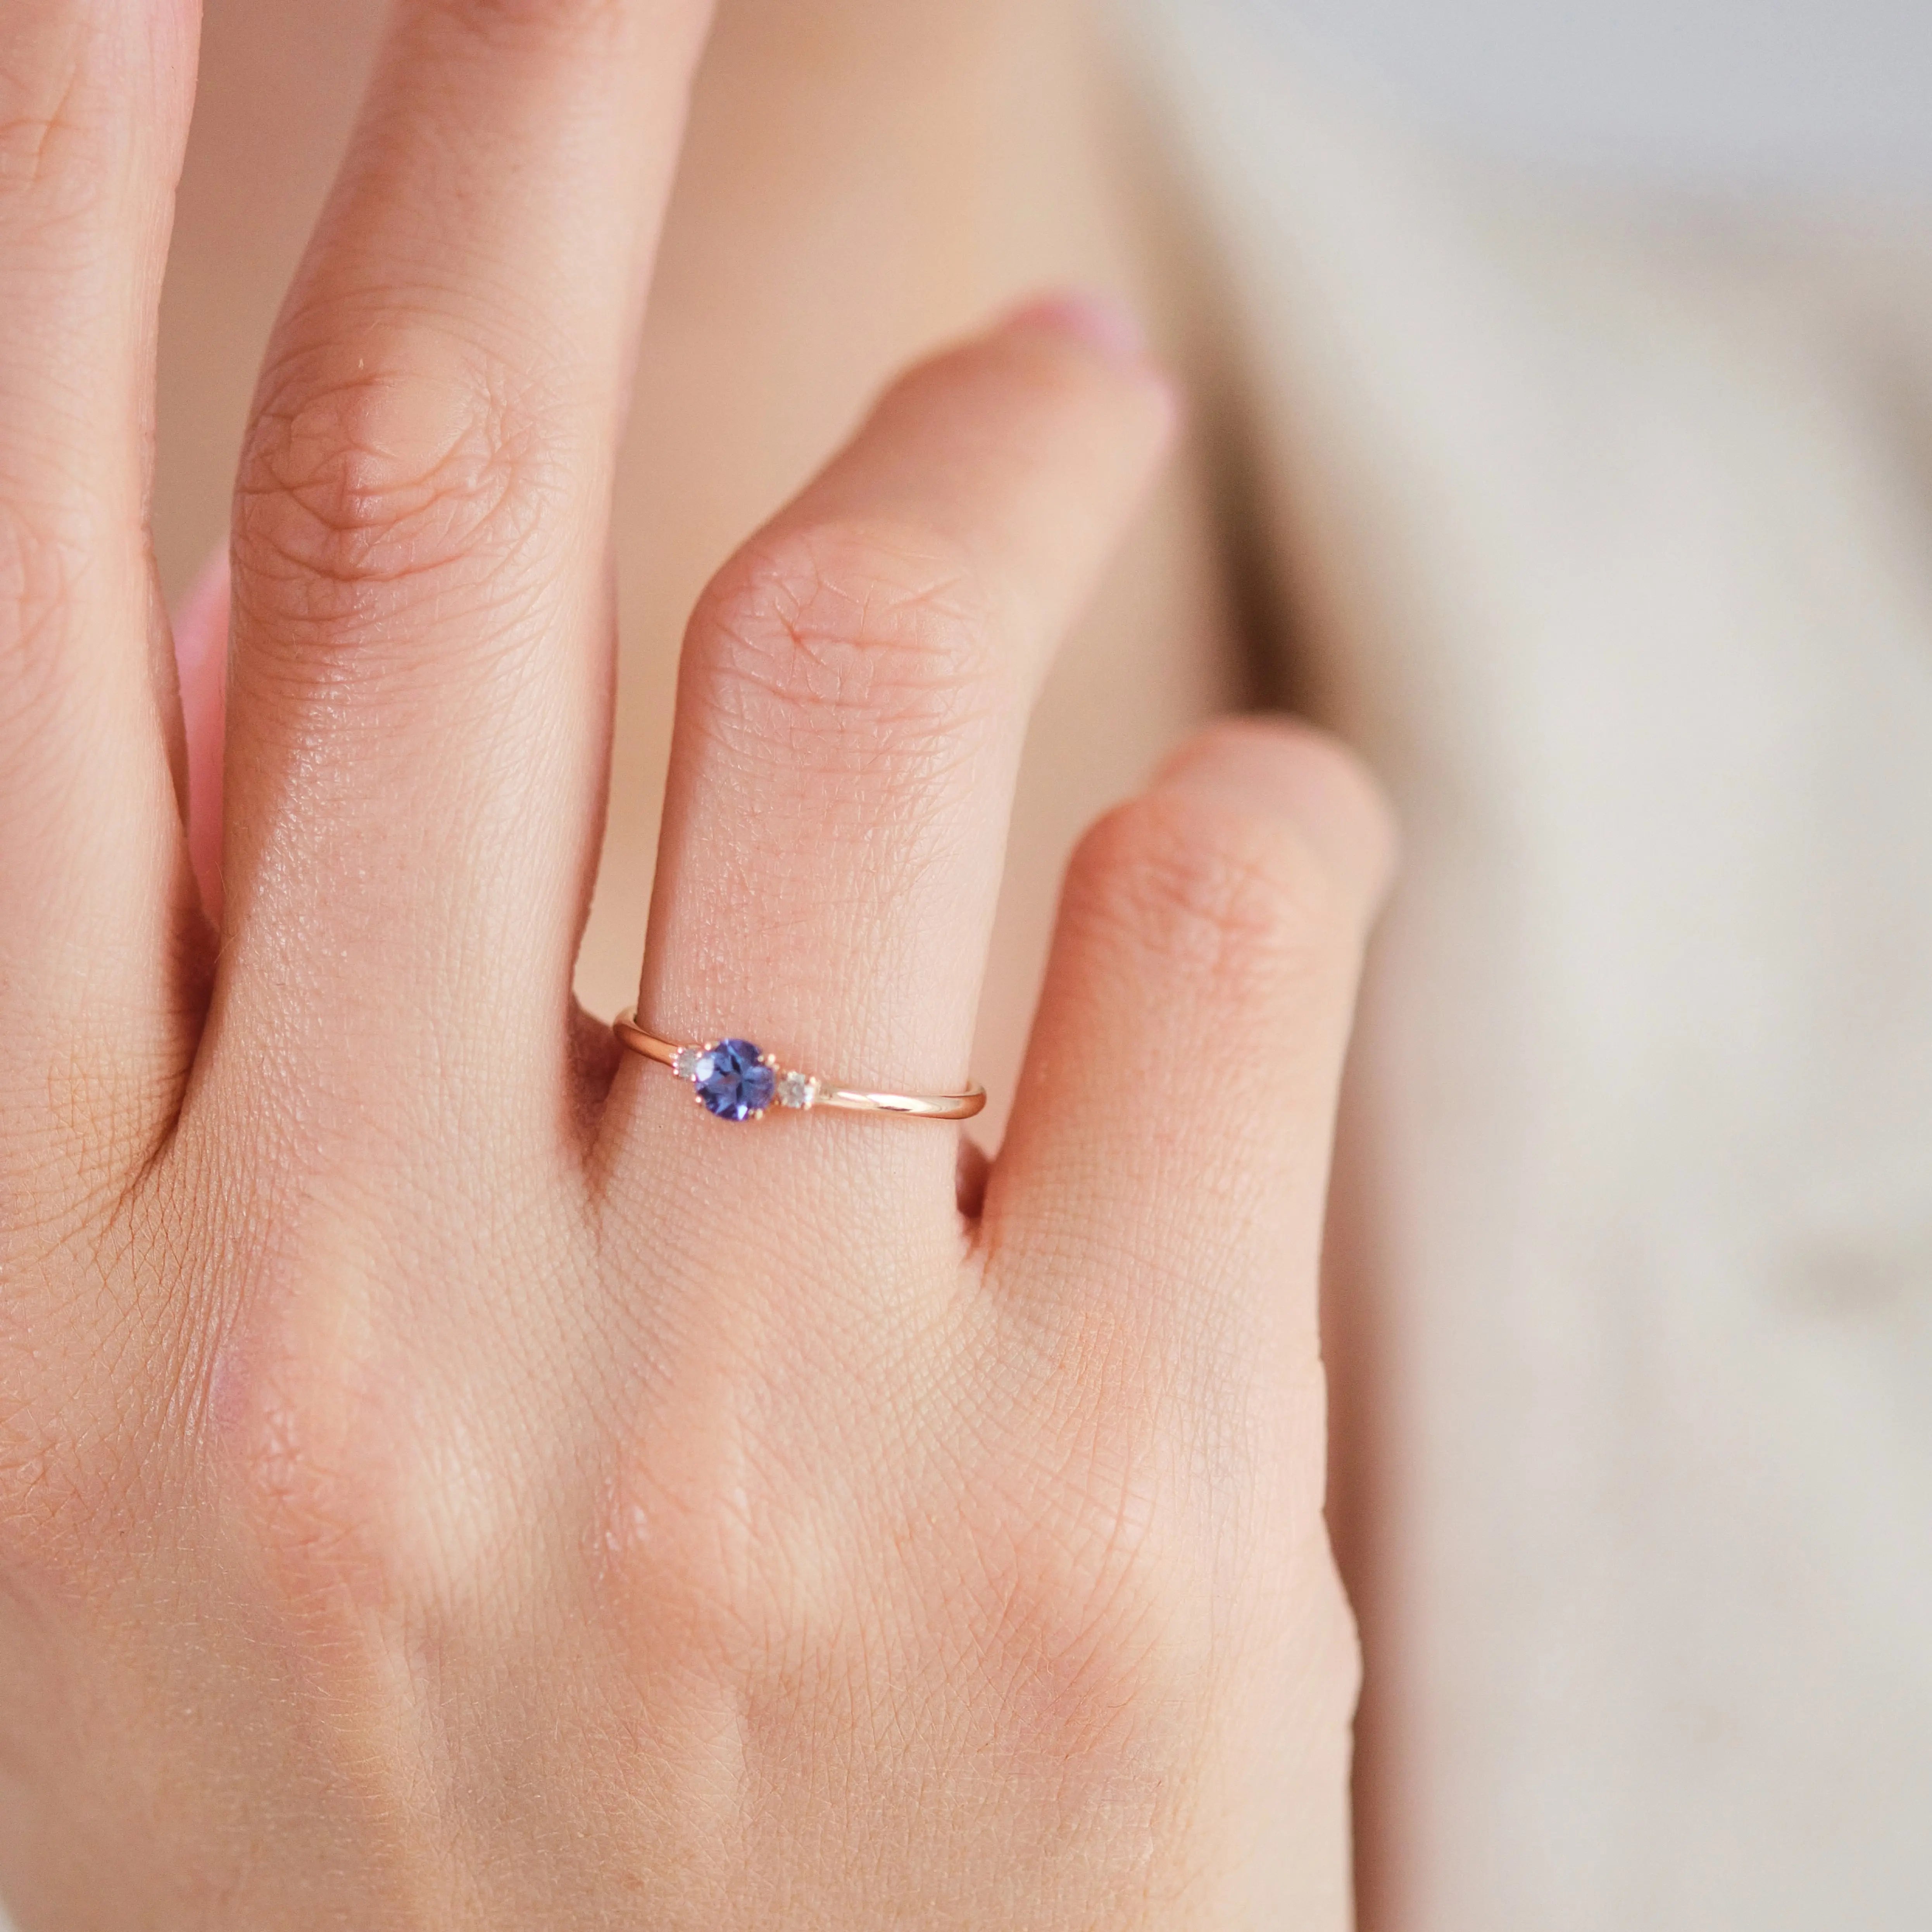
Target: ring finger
x: 853, y: 694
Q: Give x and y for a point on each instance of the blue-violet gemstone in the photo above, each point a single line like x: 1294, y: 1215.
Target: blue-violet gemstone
x: 733, y: 1082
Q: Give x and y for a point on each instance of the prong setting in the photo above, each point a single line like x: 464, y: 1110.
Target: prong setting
x: 732, y: 1078
x: 799, y: 1090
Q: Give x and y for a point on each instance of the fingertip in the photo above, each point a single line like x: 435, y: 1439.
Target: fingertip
x: 1103, y: 326
x: 1104, y: 323
x: 1285, y: 768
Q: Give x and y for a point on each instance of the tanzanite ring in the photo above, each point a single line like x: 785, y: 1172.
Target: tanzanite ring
x: 733, y: 1080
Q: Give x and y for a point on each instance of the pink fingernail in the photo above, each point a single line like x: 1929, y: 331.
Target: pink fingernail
x: 1101, y: 322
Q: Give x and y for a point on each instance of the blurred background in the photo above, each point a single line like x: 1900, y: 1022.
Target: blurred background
x: 1640, y: 1529
x: 1804, y: 95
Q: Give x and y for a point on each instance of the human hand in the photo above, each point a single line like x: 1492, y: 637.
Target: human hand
x: 446, y: 1478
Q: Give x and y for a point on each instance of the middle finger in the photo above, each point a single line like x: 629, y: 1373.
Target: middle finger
x: 418, y: 722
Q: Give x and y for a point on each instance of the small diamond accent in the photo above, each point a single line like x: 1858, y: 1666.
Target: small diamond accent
x: 797, y: 1089
x: 685, y: 1062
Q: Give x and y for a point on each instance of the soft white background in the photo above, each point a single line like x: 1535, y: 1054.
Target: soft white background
x: 1809, y: 93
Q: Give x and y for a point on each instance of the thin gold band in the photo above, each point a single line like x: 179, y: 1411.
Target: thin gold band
x: 799, y: 1090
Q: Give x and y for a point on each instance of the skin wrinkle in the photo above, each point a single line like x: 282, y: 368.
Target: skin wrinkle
x: 851, y: 649
x: 1203, y: 889
x: 373, y: 477
x: 864, y: 746
x: 461, y: 1523
x: 32, y: 136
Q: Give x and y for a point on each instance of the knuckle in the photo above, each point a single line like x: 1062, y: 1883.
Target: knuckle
x: 1208, y: 893
x: 679, y: 1553
x: 1098, y: 1630
x: 366, y: 478
x: 299, y: 1418
x: 310, y: 1507
x: 844, y: 649
x: 325, y: 1448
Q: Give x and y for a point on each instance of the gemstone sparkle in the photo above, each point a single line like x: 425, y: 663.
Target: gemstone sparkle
x: 733, y: 1080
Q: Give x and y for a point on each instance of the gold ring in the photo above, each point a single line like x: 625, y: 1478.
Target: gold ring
x: 735, y: 1081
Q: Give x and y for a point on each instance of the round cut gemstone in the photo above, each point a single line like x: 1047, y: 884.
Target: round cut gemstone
x: 733, y: 1080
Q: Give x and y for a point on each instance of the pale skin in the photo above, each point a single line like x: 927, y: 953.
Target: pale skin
x: 446, y: 1478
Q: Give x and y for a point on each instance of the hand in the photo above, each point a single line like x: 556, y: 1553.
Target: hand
x: 446, y: 1478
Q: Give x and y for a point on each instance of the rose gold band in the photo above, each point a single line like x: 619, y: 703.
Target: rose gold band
x: 802, y: 1091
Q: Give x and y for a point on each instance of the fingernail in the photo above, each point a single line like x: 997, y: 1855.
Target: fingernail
x: 1101, y: 322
